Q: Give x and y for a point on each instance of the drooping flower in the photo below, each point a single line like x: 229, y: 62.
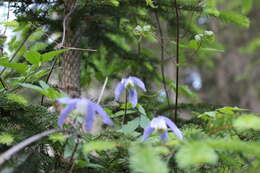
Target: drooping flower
x: 160, y: 124
x: 129, y: 84
x: 85, y: 107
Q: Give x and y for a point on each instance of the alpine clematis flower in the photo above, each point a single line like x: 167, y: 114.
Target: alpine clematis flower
x: 128, y: 84
x: 160, y: 124
x: 85, y: 107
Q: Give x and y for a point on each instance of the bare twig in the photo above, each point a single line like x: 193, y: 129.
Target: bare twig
x: 162, y: 56
x: 177, y: 60
x: 8, y: 154
x: 102, y: 91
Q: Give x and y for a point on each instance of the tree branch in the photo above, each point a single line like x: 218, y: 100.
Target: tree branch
x: 8, y: 154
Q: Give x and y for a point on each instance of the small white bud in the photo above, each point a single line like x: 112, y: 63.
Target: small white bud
x: 147, y: 28
x: 209, y: 33
x: 198, y: 37
x: 138, y: 28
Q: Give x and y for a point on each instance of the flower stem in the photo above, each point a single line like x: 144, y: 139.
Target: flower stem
x: 177, y: 60
x: 126, y: 98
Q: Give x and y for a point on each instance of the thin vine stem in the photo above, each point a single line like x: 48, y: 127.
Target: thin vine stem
x: 162, y: 56
x: 177, y: 60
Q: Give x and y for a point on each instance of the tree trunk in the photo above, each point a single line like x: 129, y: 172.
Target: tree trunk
x: 70, y: 77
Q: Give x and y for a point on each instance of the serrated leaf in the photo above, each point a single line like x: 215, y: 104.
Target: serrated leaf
x: 98, y: 146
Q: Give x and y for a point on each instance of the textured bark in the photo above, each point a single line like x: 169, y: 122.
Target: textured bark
x: 70, y: 77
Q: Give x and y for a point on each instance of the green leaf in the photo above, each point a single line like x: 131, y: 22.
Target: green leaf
x: 57, y: 137
x: 195, y: 154
x: 235, y: 18
x: 34, y: 87
x: 150, y: 3
x: 211, y: 11
x: 246, y: 122
x: 144, y: 121
x: 130, y: 126
x: 19, y: 67
x: 50, y: 55
x: 44, y: 85
x: 246, y: 6
x: 6, y: 139
x: 141, y: 109
x: 17, y: 98
x: 33, y: 57
x: 120, y: 113
x: 98, y: 146
x: 145, y: 159
x: 229, y: 110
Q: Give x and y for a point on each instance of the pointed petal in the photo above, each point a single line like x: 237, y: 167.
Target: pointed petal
x: 138, y: 82
x: 89, y: 118
x: 119, y: 89
x: 64, y: 113
x: 173, y: 127
x: 132, y: 94
x: 147, y: 132
x: 103, y: 114
x: 66, y: 100
x: 164, y: 136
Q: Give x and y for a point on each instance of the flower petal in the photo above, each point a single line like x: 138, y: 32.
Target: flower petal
x: 64, y: 113
x: 164, y: 136
x: 173, y: 127
x: 89, y: 118
x: 147, y: 132
x: 119, y: 89
x: 138, y: 82
x: 66, y: 100
x: 132, y: 94
x: 103, y: 114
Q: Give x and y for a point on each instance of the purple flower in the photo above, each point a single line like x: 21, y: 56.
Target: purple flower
x: 160, y: 124
x: 128, y: 84
x: 85, y: 107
